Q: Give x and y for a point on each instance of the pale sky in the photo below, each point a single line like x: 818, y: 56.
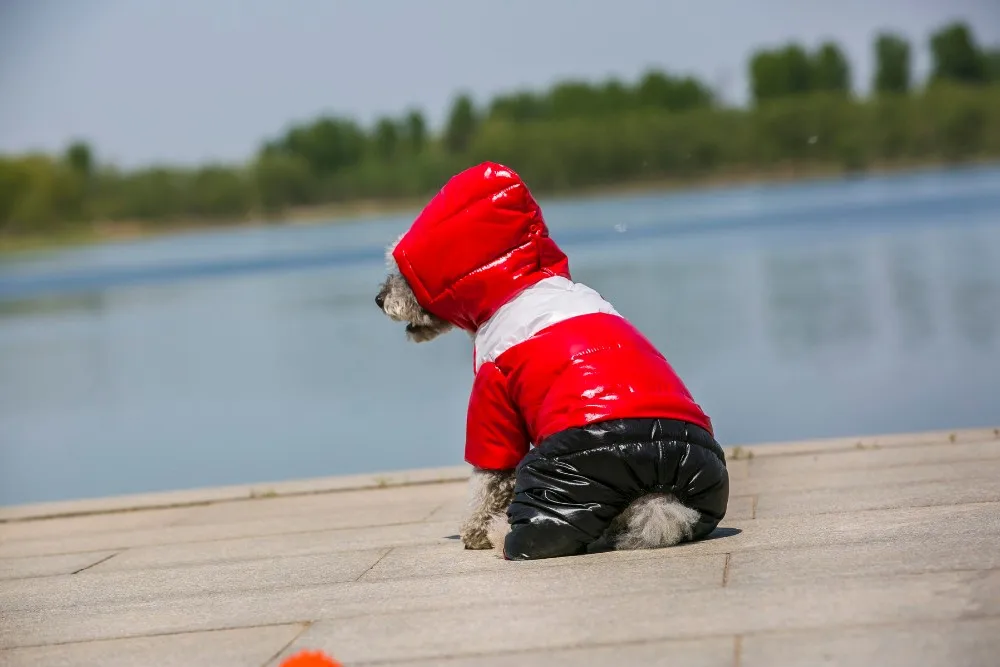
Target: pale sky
x: 193, y: 80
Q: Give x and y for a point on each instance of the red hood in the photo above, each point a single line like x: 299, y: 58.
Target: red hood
x: 476, y: 244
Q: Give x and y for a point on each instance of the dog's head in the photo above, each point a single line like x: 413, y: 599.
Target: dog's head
x: 397, y: 300
x: 478, y: 243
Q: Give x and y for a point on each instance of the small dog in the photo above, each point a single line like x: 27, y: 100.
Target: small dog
x: 578, y: 430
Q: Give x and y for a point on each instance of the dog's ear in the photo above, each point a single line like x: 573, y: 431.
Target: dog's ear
x: 390, y: 261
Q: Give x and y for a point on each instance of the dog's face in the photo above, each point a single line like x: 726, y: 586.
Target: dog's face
x: 397, y: 301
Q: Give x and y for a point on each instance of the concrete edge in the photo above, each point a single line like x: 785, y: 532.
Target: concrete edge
x: 221, y: 494
x: 833, y: 445
x: 302, y: 487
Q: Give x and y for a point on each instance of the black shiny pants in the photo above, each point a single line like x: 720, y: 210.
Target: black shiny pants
x: 571, y: 486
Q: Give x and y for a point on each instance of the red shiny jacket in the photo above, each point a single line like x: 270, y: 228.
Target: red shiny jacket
x: 550, y: 354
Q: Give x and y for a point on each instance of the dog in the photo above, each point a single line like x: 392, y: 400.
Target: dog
x: 578, y: 430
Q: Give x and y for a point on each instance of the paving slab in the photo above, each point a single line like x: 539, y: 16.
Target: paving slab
x: 104, y: 588
x: 208, y: 532
x: 654, y: 614
x: 887, y: 440
x: 738, y: 469
x: 438, y: 560
x: 875, y: 550
x: 395, y: 505
x: 973, y: 642
x: 812, y: 476
x: 224, y: 648
x: 876, y: 458
x: 44, y: 566
x: 816, y: 502
x: 284, y: 545
x: 955, y: 522
x: 199, y: 497
x: 774, y: 567
x: 62, y: 528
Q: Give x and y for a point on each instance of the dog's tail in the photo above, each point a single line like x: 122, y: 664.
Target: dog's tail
x: 653, y: 521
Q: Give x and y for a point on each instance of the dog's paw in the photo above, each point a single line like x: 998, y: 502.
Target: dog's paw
x: 488, y: 535
x: 475, y: 537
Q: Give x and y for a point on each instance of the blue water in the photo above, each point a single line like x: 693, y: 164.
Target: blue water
x: 797, y: 311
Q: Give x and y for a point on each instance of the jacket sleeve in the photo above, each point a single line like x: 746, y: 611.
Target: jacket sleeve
x: 495, y: 434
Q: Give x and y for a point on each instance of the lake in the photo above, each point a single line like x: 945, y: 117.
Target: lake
x: 828, y: 308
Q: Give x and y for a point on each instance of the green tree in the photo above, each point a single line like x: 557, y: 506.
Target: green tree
x: 956, y: 56
x: 327, y: 145
x: 520, y: 107
x: 831, y: 72
x: 992, y: 60
x: 38, y: 194
x: 892, y: 64
x: 690, y: 93
x: 780, y: 73
x: 281, y: 181
x: 155, y: 193
x: 415, y: 129
x: 616, y: 97
x: 661, y: 91
x: 218, y: 191
x: 12, y: 186
x: 573, y: 99
x: 80, y: 158
x: 386, y: 138
x: 653, y: 90
x: 461, y: 125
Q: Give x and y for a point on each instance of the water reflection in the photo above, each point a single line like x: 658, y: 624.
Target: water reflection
x: 915, y: 289
x: 976, y: 304
x: 815, y: 300
x: 910, y: 293
x: 974, y: 289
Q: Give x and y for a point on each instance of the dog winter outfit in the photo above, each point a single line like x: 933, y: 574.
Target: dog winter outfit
x: 555, y: 365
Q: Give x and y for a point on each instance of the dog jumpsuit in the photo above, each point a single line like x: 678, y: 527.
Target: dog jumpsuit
x: 557, y: 367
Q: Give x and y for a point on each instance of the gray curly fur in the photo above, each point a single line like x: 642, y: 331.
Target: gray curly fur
x: 398, y: 302
x: 400, y: 305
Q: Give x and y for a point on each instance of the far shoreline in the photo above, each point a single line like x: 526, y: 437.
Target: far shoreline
x: 110, y: 232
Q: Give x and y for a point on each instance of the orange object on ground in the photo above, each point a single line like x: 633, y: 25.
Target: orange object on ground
x: 310, y: 659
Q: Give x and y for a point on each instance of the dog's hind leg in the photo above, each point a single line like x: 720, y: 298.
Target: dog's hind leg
x: 652, y: 521
x: 491, y: 493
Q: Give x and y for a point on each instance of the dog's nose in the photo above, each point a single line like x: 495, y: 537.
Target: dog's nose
x: 379, y: 300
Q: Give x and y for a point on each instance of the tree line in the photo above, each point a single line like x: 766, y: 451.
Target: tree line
x: 576, y: 134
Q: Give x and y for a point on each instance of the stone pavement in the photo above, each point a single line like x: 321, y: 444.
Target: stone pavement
x: 881, y: 551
